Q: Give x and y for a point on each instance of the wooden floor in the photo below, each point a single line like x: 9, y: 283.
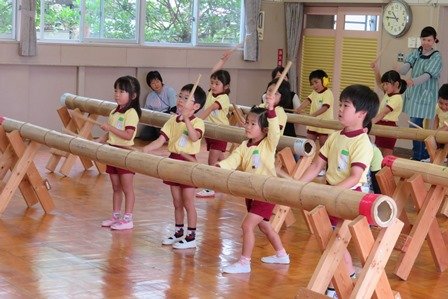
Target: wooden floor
x: 66, y: 254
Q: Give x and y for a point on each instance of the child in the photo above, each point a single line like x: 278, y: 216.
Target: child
x: 390, y: 108
x: 281, y: 100
x: 349, y: 152
x: 257, y: 155
x: 292, y: 130
x: 441, y: 119
x: 121, y: 129
x: 371, y: 186
x: 322, y: 101
x: 183, y: 133
x: 215, y: 111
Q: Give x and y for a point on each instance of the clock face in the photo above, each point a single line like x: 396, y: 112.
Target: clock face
x: 397, y: 18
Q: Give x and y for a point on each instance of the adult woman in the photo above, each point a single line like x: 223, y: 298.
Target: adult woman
x: 421, y: 95
x: 162, y: 98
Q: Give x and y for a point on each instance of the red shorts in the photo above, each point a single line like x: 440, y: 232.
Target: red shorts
x: 115, y: 170
x: 386, y: 142
x: 178, y: 157
x: 260, y: 208
x: 216, y: 144
x: 315, y: 133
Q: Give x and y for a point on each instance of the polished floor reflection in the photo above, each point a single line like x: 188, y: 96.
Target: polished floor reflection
x: 67, y: 254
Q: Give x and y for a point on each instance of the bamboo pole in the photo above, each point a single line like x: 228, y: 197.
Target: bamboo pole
x: 377, y: 130
x: 305, y: 147
x: 340, y: 202
x: 431, y: 173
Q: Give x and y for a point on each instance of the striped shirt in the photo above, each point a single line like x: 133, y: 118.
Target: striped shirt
x: 421, y: 99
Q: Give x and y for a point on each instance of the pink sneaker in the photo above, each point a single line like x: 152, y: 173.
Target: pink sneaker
x: 122, y: 225
x: 111, y: 221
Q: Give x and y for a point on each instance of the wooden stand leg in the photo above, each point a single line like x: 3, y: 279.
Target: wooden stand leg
x: 428, y: 203
x: 333, y: 244
x: 24, y: 173
x: 10, y: 159
x: 374, y: 255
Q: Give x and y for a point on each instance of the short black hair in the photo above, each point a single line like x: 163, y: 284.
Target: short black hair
x: 443, y: 91
x: 317, y: 74
x: 261, y: 114
x: 393, y: 76
x: 153, y: 75
x: 222, y: 76
x: 363, y: 98
x: 131, y: 85
x: 278, y: 69
x: 285, y: 91
x: 199, y: 96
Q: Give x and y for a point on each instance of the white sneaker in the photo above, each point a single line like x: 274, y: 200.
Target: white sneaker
x: 331, y: 293
x: 184, y: 244
x: 322, y: 173
x: 171, y: 240
x: 205, y: 193
x: 274, y: 259
x: 237, y: 267
x: 428, y: 160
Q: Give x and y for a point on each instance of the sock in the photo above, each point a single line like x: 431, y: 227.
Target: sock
x: 244, y: 260
x: 281, y: 253
x: 330, y: 292
x: 116, y: 214
x: 179, y: 230
x: 127, y: 217
x: 191, y: 234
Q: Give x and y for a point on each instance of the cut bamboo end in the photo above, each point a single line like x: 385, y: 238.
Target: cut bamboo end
x: 380, y: 210
x: 384, y: 211
x: 304, y: 147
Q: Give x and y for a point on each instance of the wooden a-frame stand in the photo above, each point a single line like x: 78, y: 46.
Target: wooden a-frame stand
x: 427, y: 202
x: 437, y: 156
x: 17, y: 156
x: 79, y: 125
x: 283, y: 214
x: 372, y: 281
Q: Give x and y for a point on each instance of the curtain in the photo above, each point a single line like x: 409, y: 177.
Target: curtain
x: 251, y: 8
x: 27, y: 43
x: 294, y: 18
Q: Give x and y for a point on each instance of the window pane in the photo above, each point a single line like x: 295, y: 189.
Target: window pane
x: 6, y: 19
x: 219, y: 21
x: 321, y: 21
x: 361, y: 23
x: 111, y: 19
x: 61, y: 19
x: 168, y: 21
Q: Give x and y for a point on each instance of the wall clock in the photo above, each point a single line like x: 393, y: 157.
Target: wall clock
x: 397, y: 18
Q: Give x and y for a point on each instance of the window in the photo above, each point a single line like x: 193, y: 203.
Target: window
x: 219, y: 22
x: 57, y: 19
x: 168, y: 22
x: 102, y: 19
x: 111, y: 19
x: 361, y: 22
x: 320, y: 21
x: 7, y: 19
x: 193, y: 22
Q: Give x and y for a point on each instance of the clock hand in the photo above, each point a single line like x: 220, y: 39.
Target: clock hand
x: 395, y: 17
